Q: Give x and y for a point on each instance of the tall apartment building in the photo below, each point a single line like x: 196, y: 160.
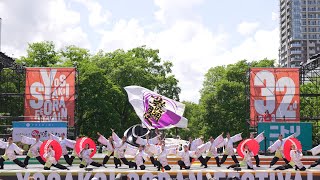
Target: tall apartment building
x: 299, y: 31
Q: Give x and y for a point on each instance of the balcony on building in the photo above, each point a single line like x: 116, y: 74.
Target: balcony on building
x: 295, y: 59
x: 313, y: 51
x: 296, y: 52
x: 312, y: 44
x: 295, y: 45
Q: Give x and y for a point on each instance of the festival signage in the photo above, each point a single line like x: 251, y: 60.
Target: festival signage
x: 302, y: 131
x: 166, y: 176
x: 155, y: 110
x: 31, y: 129
x: 50, y: 94
x: 275, y: 90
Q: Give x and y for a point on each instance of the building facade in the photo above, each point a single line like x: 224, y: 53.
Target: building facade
x: 299, y: 31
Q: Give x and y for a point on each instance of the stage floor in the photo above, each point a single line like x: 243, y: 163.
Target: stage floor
x: 13, y: 171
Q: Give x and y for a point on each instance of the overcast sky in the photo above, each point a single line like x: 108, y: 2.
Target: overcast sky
x: 194, y: 34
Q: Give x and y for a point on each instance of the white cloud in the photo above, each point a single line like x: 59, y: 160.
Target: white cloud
x: 170, y: 11
x: 192, y: 48
x: 26, y: 22
x: 247, y: 28
x: 187, y: 42
x: 274, y: 16
x: 97, y: 15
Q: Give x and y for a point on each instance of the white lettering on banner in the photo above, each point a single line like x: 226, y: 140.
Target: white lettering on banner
x: 49, y: 102
x: 275, y: 130
x: 164, y: 176
x: 270, y: 86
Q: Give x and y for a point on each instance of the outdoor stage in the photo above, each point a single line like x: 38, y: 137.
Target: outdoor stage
x: 12, y: 172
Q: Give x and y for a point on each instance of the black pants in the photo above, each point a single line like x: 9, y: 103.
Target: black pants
x: 216, y: 158
x: 275, y: 160
x: 116, y: 162
x: 126, y: 162
x: 203, y: 161
x: 283, y: 167
x: 59, y: 166
x: 40, y: 160
x: 68, y: 159
x: 153, y: 161
x: 224, y: 158
x: 237, y: 165
x: 316, y: 163
x: 106, y: 158
x: 93, y: 164
x: 159, y: 165
x: 16, y: 161
x: 183, y: 165
x: 256, y: 157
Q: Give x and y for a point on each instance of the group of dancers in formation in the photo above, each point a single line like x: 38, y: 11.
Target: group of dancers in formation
x: 153, y: 149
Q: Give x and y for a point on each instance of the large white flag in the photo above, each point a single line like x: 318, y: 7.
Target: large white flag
x: 154, y: 110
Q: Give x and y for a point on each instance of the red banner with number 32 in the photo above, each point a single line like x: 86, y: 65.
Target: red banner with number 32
x: 274, y: 95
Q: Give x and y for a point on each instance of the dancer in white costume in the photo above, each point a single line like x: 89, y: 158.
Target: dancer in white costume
x: 186, y: 156
x: 49, y: 155
x: 34, y: 148
x: 149, y: 146
x: 109, y: 146
x: 315, y: 151
x: 86, y: 159
x: 119, y: 150
x: 10, y: 150
x: 296, y: 157
x: 278, y: 148
x: 140, y: 156
x: 229, y: 150
x: 64, y: 142
x: 247, y: 159
x: 259, y: 138
x: 162, y: 157
x: 212, y: 146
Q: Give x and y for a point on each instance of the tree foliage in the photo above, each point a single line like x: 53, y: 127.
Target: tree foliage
x: 223, y: 97
x: 102, y: 101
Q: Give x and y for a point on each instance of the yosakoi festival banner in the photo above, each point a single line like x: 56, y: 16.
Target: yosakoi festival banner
x: 155, y: 110
x: 274, y: 95
x: 49, y: 94
x: 163, y: 175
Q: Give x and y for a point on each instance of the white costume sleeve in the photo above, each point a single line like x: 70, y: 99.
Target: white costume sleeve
x: 116, y: 138
x: 197, y: 142
x: 219, y: 140
x: 102, y: 140
x: 180, y: 153
x: 28, y: 140
x: 17, y: 149
x: 172, y: 151
x: 207, y: 145
x: 3, y: 145
x: 70, y: 143
x: 202, y: 148
x: 53, y: 137
x: 236, y: 138
x: 315, y: 150
x: 260, y: 137
x: 276, y: 145
x: 141, y: 141
x: 131, y: 150
x: 154, y: 140
x: 153, y: 149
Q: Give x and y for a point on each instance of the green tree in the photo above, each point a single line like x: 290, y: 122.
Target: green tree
x: 40, y: 54
x: 223, y: 97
